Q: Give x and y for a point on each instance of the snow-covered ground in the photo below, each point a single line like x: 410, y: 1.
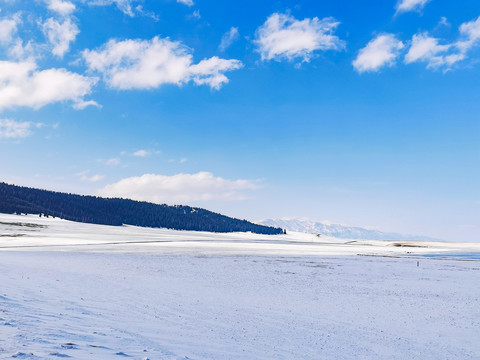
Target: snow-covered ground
x: 98, y: 292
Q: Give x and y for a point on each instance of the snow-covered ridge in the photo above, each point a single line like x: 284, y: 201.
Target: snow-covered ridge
x: 341, y: 231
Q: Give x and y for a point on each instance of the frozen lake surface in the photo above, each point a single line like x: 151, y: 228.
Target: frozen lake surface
x: 110, y: 293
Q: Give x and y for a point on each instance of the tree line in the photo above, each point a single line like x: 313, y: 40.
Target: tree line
x: 117, y: 212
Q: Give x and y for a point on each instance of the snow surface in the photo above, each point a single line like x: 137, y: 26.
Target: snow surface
x: 97, y: 292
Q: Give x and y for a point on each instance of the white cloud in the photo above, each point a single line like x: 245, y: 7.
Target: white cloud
x: 146, y: 64
x: 211, y: 71
x: 8, y: 28
x: 443, y: 22
x: 113, y: 162
x: 229, y: 38
x: 471, y: 33
x: 94, y: 178
x: 21, y: 84
x: 410, y: 5
x: 85, y: 177
x: 180, y: 161
x: 14, y: 46
x: 10, y: 129
x: 141, y: 153
x: 425, y: 48
x: 80, y: 105
x: 140, y: 11
x: 110, y: 162
x: 19, y: 51
x: 60, y: 35
x: 180, y: 188
x: 186, y: 2
x: 284, y: 37
x: 379, y: 52
x: 128, y: 7
x: 64, y: 8
x: 125, y: 6
x: 195, y: 15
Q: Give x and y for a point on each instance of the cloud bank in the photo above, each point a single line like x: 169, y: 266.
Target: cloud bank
x: 180, y: 188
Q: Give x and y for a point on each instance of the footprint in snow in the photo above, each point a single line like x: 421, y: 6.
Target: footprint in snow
x: 22, y: 355
x: 122, y: 354
x: 57, y: 354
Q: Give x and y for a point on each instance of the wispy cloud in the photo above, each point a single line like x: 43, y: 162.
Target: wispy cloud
x: 470, y: 31
x: 284, y: 37
x: 146, y: 64
x: 11, y: 129
x: 125, y: 6
x: 180, y: 161
x: 84, y: 176
x: 8, y: 28
x: 186, y: 2
x: 111, y: 162
x: 425, y: 48
x: 141, y: 153
x: 195, y: 15
x: 443, y: 22
x: 20, y: 51
x: 179, y: 188
x: 229, y: 38
x: 380, y: 52
x: 410, y: 5
x: 80, y: 105
x: 130, y: 8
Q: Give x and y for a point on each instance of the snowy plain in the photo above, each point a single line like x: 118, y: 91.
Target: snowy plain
x: 82, y: 291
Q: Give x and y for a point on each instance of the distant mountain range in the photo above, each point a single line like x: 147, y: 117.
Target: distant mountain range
x: 336, y: 230
x: 114, y: 211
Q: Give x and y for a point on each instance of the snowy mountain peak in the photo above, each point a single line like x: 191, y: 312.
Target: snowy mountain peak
x: 342, y: 231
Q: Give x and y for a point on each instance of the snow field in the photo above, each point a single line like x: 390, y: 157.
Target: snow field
x: 83, y: 291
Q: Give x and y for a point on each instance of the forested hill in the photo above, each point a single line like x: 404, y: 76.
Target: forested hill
x: 96, y: 210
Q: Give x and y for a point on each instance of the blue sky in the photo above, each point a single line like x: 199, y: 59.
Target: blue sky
x: 364, y: 113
